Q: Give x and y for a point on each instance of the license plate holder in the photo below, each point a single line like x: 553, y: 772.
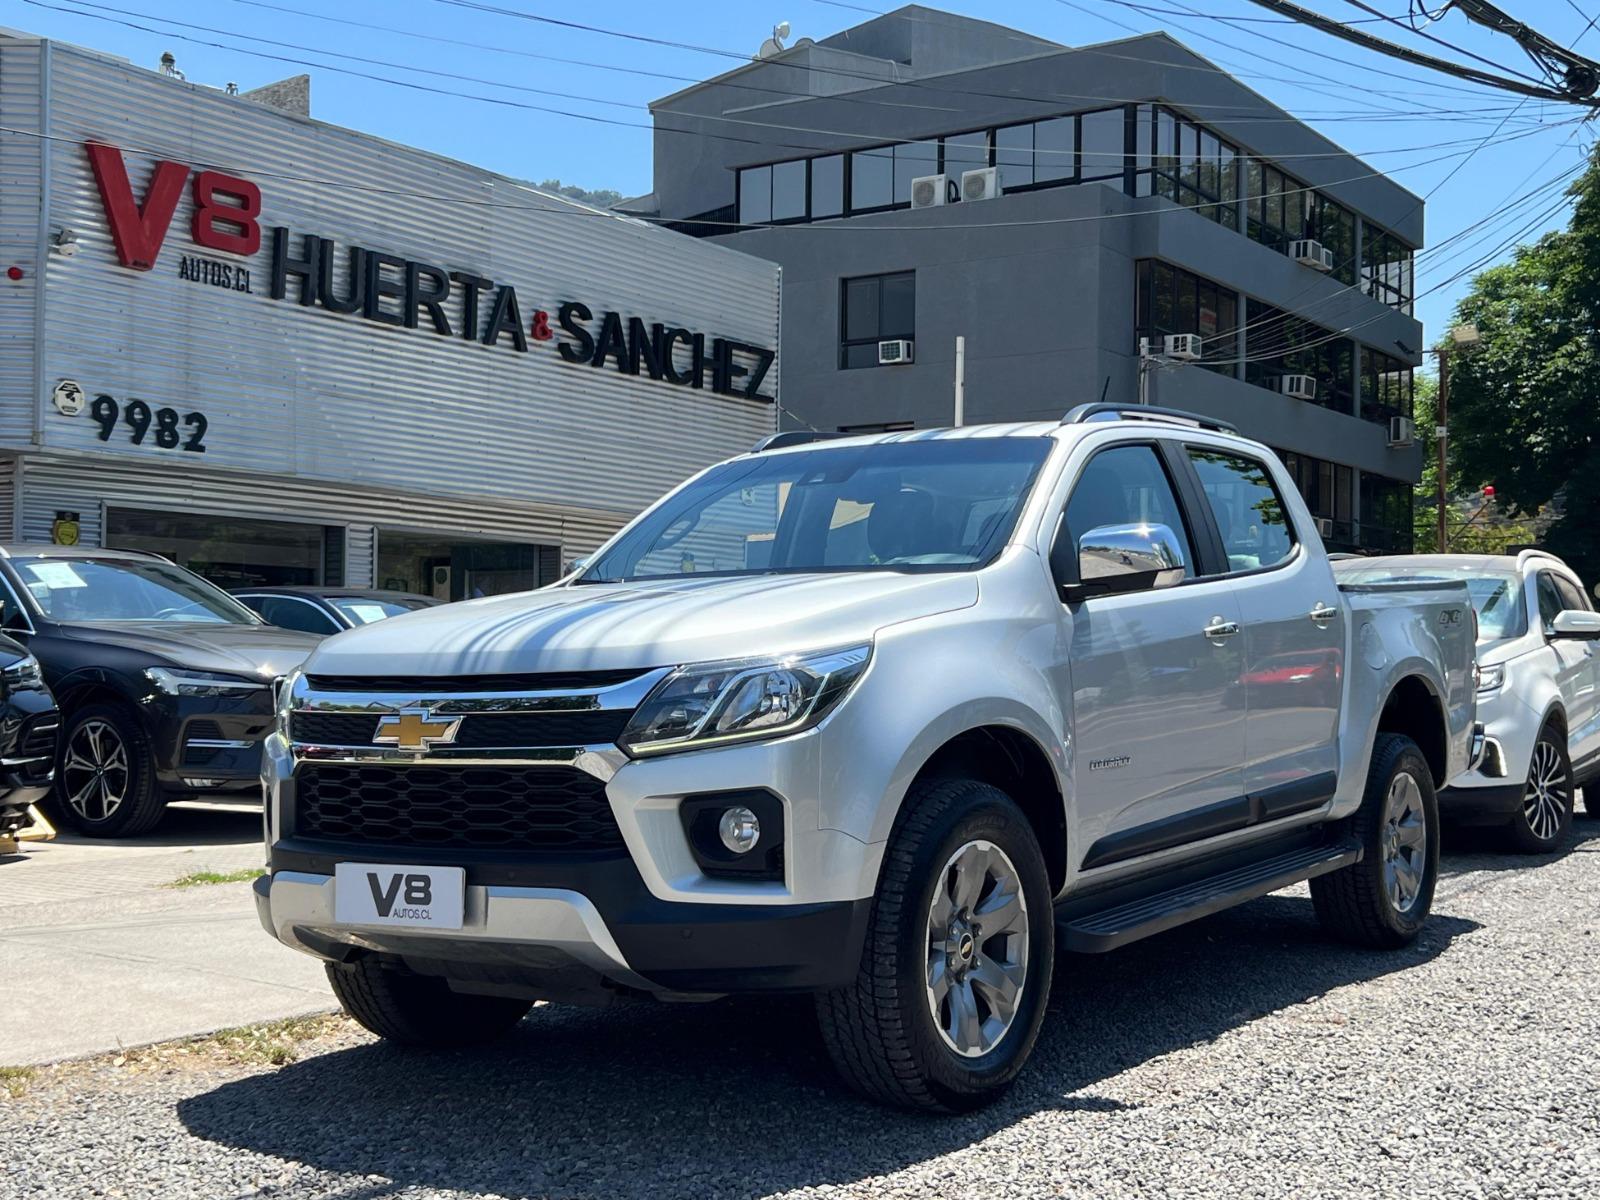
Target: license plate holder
x: 414, y: 897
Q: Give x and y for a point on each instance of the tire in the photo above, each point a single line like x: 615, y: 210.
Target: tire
x: 420, y: 1010
x: 105, y: 778
x: 1544, y: 819
x: 1383, y: 900
x: 883, y: 1032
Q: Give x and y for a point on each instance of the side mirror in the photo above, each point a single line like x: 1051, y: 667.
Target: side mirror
x: 1120, y: 558
x: 1576, y: 623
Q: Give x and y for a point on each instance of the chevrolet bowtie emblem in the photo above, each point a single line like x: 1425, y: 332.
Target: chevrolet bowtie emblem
x: 413, y: 729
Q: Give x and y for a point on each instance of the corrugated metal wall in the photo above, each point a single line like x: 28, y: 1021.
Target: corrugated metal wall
x: 360, y: 555
x: 10, y: 482
x: 305, y: 392
x: 21, y: 176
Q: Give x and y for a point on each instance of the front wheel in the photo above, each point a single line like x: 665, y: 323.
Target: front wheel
x: 105, y: 778
x: 1383, y: 900
x: 955, y: 972
x: 1544, y: 818
x: 419, y: 1010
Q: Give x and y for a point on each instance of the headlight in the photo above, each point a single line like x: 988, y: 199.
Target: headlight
x: 201, y: 683
x: 714, y: 703
x: 1490, y: 678
x: 23, y: 673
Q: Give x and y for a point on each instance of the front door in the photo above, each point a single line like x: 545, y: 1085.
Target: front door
x: 1158, y: 712
x: 1576, y: 666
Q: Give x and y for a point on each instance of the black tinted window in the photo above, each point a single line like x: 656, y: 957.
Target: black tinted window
x: 1572, y: 596
x: 1250, y: 513
x: 1126, y: 485
x: 296, y: 614
x: 1549, y: 600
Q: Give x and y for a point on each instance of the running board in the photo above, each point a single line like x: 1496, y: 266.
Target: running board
x: 1097, y: 932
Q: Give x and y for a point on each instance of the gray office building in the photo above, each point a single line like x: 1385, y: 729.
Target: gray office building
x: 925, y: 176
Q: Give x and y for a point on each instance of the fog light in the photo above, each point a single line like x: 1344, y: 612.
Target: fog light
x: 739, y: 829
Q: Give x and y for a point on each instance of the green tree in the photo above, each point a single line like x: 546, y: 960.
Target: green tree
x: 603, y: 198
x: 1525, y: 403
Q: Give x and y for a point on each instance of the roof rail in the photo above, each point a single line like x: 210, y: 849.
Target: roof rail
x: 793, y: 437
x: 1524, y: 555
x: 1085, y: 413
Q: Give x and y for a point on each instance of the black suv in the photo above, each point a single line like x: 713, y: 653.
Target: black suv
x: 165, y: 682
x: 28, y: 728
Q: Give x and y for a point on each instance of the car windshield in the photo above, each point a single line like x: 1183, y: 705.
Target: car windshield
x: 115, y: 589
x: 1496, y: 595
x: 942, y: 504
x: 363, y: 610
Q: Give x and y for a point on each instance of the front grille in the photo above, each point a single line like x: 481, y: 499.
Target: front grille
x: 432, y: 685
x: 488, y: 808
x: 204, y: 730
x: 592, y: 727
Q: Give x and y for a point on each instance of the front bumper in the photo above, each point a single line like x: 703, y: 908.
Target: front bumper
x: 209, y: 743
x: 559, y: 942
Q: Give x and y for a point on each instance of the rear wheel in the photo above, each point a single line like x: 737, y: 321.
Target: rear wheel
x: 105, y: 779
x: 419, y: 1010
x: 1384, y: 899
x: 1544, y: 819
x: 956, y: 968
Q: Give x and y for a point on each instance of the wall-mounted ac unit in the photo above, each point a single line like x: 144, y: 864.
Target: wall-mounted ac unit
x: 1298, y: 387
x: 929, y: 191
x: 1311, y: 253
x: 982, y: 184
x: 1325, y: 526
x: 1402, y: 432
x: 1185, y: 347
x: 897, y: 351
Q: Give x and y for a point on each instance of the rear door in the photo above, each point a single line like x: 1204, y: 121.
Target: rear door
x: 1579, y: 670
x: 1157, y: 712
x: 1293, y: 632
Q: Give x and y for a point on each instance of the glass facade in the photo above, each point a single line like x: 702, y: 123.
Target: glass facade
x: 1329, y: 492
x: 873, y: 309
x: 1172, y: 300
x: 1386, y: 389
x: 229, y: 551
x: 1186, y: 163
x: 1278, y: 344
x: 1385, y: 515
x: 1387, y: 270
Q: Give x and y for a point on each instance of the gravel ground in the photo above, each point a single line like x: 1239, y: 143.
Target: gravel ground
x: 1243, y: 1056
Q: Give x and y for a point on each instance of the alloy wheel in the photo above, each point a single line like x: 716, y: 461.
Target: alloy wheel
x: 1546, y: 800
x: 94, y: 772
x: 1404, y: 837
x: 977, y: 948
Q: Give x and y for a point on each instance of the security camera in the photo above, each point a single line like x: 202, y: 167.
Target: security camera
x: 64, y: 242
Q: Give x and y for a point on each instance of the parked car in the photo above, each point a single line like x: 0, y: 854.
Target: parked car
x: 324, y: 610
x: 930, y: 706
x: 165, y: 682
x: 29, y: 724
x: 1538, y: 689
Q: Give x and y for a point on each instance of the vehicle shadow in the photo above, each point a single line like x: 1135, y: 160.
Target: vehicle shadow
x: 736, y: 1098
x: 185, y: 825
x: 1473, y: 848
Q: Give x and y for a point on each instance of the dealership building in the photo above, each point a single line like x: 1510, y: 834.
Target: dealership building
x: 279, y: 351
x: 923, y: 177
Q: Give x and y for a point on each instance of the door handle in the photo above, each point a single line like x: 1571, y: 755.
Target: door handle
x: 1219, y: 629
x: 1322, y: 614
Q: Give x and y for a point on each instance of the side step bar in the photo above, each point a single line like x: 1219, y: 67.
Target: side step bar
x: 1097, y: 932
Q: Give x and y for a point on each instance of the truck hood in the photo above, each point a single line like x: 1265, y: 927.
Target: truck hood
x: 604, y: 627
x: 263, y: 650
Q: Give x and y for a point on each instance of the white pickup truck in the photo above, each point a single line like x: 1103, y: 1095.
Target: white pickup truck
x: 886, y: 719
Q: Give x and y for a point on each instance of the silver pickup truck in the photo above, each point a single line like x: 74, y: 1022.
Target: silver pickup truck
x: 890, y: 720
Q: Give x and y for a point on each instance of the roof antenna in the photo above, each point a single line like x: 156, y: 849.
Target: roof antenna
x: 774, y: 44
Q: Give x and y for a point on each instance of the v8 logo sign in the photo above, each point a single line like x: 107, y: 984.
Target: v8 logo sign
x: 380, y: 894
x: 226, y: 208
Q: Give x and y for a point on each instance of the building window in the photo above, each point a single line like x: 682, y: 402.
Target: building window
x: 1278, y: 345
x: 873, y: 309
x: 827, y: 186
x: 1102, y: 144
x: 774, y: 193
x: 1329, y: 492
x: 966, y: 152
x: 1280, y: 210
x: 1038, y: 153
x: 1385, y: 387
x: 1385, y: 514
x: 1386, y: 268
x: 755, y: 195
x: 879, y: 427
x: 1186, y: 163
x: 872, y: 179
x: 911, y: 161
x: 1171, y: 300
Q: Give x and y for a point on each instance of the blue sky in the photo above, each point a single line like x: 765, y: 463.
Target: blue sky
x: 1397, y: 115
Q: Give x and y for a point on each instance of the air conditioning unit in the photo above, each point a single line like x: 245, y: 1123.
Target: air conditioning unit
x: 1298, y: 387
x: 1311, y: 253
x: 1325, y: 526
x: 897, y: 351
x: 1402, y: 432
x: 1185, y: 347
x: 929, y: 191
x: 982, y: 184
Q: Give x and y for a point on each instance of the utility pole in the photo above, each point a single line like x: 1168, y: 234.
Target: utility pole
x: 1463, y: 338
x: 961, y: 380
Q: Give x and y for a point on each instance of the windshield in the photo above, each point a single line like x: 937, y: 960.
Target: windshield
x: 1496, y: 595
x: 937, y: 505
x: 114, y: 589
x: 364, y: 611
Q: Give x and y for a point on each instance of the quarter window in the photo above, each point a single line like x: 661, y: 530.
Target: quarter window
x: 1126, y: 485
x: 873, y: 309
x: 1250, y: 513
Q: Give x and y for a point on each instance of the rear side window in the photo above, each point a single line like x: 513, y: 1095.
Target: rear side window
x: 1126, y: 485
x: 1250, y: 512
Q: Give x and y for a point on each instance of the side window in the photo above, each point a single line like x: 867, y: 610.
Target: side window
x: 253, y: 603
x: 296, y: 614
x: 1250, y: 513
x: 1549, y: 601
x: 1572, y: 596
x: 1126, y: 485
x: 11, y: 614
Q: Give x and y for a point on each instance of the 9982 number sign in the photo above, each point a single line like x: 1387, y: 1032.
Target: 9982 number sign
x: 164, y: 426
